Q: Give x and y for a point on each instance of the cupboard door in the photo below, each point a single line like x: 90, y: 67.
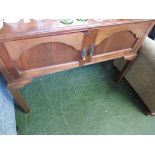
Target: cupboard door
x: 119, y: 38
x: 47, y: 51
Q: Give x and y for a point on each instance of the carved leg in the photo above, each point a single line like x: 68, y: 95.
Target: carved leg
x: 126, y: 68
x: 13, y: 87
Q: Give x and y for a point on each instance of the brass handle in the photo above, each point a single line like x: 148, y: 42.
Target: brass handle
x: 91, y: 50
x: 83, y: 54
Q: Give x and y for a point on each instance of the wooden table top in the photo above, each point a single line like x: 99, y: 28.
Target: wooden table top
x: 38, y: 28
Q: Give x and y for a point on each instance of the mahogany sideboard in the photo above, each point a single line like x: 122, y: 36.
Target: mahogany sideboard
x: 33, y: 49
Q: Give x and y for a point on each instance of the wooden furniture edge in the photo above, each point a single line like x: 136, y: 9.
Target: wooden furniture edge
x: 24, y: 78
x: 61, y: 30
x: 131, y: 61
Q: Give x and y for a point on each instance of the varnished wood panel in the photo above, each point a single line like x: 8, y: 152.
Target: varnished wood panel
x: 48, y: 70
x: 16, y: 48
x: 47, y: 54
x: 110, y: 56
x: 119, y: 37
x: 138, y: 29
x: 118, y: 41
x: 37, y: 48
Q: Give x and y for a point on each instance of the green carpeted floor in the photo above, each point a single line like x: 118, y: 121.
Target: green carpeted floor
x: 84, y: 100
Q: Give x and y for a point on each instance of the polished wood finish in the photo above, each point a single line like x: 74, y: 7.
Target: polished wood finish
x: 16, y: 48
x: 19, y: 99
x: 13, y: 86
x: 132, y: 58
x: 29, y: 50
x: 46, y: 27
x: 6, y: 59
x: 4, y: 71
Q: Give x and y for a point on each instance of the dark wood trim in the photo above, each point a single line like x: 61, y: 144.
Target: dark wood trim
x: 92, y: 41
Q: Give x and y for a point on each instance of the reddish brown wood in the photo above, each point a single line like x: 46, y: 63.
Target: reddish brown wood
x: 18, y: 47
x: 43, y: 47
x: 48, y: 70
x: 109, y: 56
x: 19, y: 99
x: 118, y: 41
x: 13, y: 87
x: 92, y: 43
x: 20, y: 82
x: 132, y: 58
x: 11, y: 67
x: 125, y: 70
x: 47, y: 54
x: 4, y: 71
x: 136, y: 48
x: 85, y: 45
x: 119, y: 37
x: 46, y: 27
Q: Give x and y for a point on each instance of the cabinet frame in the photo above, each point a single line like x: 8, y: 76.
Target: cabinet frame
x: 17, y: 78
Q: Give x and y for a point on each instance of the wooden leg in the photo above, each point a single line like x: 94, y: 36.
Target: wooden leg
x: 125, y: 69
x: 13, y: 87
x: 19, y: 99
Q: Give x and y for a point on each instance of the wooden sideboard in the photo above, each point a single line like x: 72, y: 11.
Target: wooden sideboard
x: 29, y: 50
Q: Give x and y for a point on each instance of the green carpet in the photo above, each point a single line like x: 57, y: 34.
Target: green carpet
x: 84, y: 100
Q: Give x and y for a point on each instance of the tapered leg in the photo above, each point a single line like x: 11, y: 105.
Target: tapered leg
x: 19, y: 99
x: 125, y: 69
x: 13, y: 87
